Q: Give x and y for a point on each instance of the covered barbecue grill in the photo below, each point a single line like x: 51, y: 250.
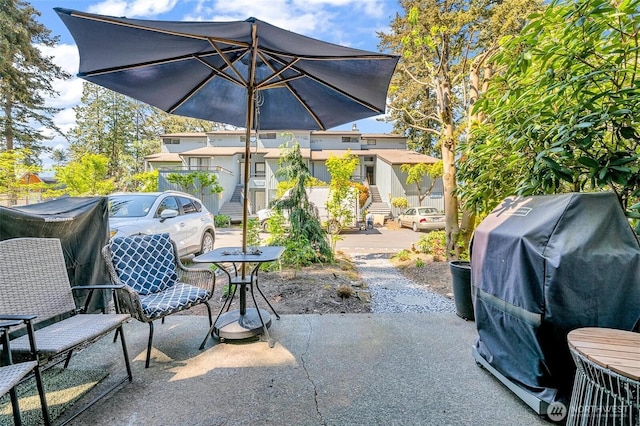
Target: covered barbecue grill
x: 540, y: 267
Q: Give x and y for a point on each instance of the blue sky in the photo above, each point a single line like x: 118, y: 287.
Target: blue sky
x: 351, y: 23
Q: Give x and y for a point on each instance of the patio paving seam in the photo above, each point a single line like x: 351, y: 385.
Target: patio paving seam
x: 306, y: 371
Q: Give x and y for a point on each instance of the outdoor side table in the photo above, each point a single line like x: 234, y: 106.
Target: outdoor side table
x: 244, y: 322
x: 607, y: 384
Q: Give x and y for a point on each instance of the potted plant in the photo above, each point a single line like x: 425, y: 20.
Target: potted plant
x: 461, y: 275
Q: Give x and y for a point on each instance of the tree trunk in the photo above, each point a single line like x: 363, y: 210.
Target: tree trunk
x: 448, y: 146
x: 8, y: 127
x: 475, y: 82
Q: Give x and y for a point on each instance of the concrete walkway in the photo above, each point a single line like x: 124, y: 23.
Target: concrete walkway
x: 357, y: 369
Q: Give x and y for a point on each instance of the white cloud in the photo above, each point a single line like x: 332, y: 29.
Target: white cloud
x: 70, y: 91
x: 65, y: 119
x: 133, y: 9
x: 63, y: 55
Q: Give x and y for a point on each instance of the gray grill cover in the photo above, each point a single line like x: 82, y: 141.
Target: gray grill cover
x: 82, y: 226
x: 543, y: 266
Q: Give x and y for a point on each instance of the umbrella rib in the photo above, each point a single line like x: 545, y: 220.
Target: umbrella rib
x: 283, y: 82
x: 220, y: 73
x: 191, y: 93
x: 229, y: 64
x: 276, y: 73
x: 303, y: 73
x: 149, y: 63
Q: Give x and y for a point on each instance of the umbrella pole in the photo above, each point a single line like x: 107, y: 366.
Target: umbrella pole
x: 247, y: 169
x: 251, y: 93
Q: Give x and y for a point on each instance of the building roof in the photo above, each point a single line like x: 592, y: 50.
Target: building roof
x: 164, y: 157
x: 390, y: 156
x: 211, y: 151
x: 382, y: 136
x: 226, y: 151
x: 271, y: 153
x: 184, y: 135
x: 396, y: 156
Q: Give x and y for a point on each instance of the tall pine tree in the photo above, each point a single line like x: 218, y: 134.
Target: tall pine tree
x: 26, y: 77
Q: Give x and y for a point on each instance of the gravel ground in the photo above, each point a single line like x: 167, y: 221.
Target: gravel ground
x: 393, y: 293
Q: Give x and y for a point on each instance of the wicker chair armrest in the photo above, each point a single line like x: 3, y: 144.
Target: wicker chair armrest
x: 90, y: 289
x: 16, y: 320
x: 98, y: 287
x: 128, y: 302
x: 202, y: 278
x: 18, y: 317
x: 194, y: 268
x: 7, y: 324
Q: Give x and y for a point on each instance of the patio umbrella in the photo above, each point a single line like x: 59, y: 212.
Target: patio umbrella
x: 245, y: 73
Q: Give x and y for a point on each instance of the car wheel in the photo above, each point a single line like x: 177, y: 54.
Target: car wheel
x: 265, y: 226
x: 207, y: 242
x: 414, y: 227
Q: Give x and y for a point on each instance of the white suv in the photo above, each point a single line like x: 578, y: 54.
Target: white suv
x: 183, y: 216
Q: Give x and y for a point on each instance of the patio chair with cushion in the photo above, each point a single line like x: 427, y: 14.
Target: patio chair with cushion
x: 156, y: 283
x: 11, y: 374
x: 35, y: 289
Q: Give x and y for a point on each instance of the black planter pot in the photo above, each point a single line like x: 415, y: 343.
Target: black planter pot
x: 461, y: 275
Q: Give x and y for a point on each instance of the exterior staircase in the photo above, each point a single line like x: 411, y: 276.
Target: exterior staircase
x: 233, y: 207
x: 378, y: 206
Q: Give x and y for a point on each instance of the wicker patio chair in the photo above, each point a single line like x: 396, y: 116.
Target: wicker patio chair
x: 156, y: 283
x: 11, y: 374
x: 35, y: 289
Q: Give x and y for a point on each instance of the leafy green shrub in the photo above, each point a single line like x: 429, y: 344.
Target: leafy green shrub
x: 419, y: 263
x: 402, y: 255
x: 434, y: 243
x: 400, y: 202
x: 297, y: 254
x: 464, y: 250
x: 253, y: 233
x: 222, y: 221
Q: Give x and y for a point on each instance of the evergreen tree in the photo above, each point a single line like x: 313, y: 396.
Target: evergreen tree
x: 115, y: 126
x: 26, y: 77
x: 306, y: 238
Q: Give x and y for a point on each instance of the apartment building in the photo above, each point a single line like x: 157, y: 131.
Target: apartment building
x: 223, y: 152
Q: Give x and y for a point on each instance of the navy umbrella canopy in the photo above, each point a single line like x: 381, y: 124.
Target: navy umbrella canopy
x: 220, y: 71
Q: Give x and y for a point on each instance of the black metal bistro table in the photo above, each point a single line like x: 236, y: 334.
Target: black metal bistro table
x: 244, y: 322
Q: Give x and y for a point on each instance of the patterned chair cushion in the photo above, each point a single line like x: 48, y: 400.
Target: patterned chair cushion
x: 146, y: 263
x: 174, y: 299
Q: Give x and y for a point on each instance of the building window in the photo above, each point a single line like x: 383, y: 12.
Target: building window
x: 259, y: 169
x: 198, y: 163
x: 368, y: 159
x: 270, y: 135
x: 350, y: 139
x: 371, y: 141
x: 170, y: 141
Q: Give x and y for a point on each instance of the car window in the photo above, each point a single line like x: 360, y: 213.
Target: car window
x: 130, y: 206
x: 189, y: 205
x: 411, y: 211
x: 427, y: 210
x: 167, y: 203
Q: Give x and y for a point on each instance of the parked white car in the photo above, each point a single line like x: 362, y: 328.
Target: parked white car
x: 422, y: 219
x: 188, y: 222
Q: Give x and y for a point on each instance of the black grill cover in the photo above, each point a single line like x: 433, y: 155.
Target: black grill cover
x: 81, y: 224
x: 543, y: 266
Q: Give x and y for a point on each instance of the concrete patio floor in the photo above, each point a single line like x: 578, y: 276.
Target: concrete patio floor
x: 357, y: 369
